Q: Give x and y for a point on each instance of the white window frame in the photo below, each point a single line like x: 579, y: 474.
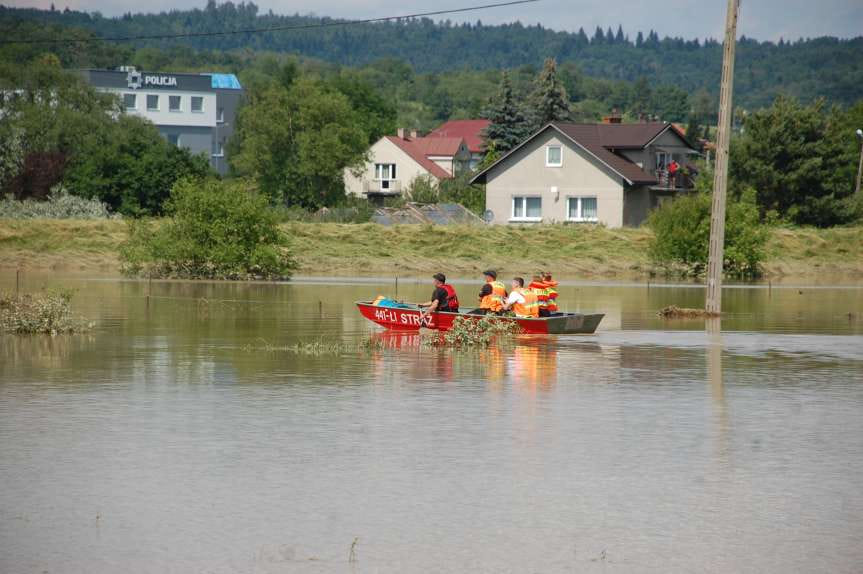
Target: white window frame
x: 220, y: 115
x: 134, y: 99
x: 580, y: 217
x: 523, y: 199
x: 179, y: 109
x: 390, y: 168
x: 220, y: 149
x: 548, y: 162
x: 667, y: 156
x: 147, y: 102
x: 177, y: 143
x: 192, y: 104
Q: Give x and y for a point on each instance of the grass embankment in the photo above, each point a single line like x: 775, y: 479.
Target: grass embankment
x: 369, y: 249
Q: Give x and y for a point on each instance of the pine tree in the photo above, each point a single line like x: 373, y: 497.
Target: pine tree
x: 619, y: 38
x: 549, y: 100
x: 639, y: 40
x: 508, y: 126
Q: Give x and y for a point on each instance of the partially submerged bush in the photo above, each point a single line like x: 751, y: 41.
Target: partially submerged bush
x: 682, y: 233
x: 48, y: 312
x: 476, y: 332
x: 58, y: 205
x: 217, y: 229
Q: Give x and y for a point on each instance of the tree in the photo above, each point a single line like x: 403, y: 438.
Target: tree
x: 508, y: 126
x: 799, y: 161
x: 297, y: 142
x: 549, y: 100
x: 216, y: 229
x: 642, y: 98
x: 670, y: 103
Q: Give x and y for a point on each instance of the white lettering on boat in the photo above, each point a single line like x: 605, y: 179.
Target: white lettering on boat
x: 404, y: 318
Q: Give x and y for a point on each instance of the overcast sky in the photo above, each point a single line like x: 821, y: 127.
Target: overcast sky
x: 762, y: 19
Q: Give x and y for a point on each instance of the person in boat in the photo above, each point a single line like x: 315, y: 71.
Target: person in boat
x: 492, y: 295
x: 551, y: 292
x: 538, y: 286
x: 523, y: 302
x: 443, y: 297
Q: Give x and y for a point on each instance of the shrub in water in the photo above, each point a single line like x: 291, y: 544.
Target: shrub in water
x: 682, y: 232
x: 216, y: 229
x: 472, y: 332
x: 47, y: 312
x: 58, y: 205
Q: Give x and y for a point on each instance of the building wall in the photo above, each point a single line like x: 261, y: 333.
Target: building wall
x: 384, y: 151
x: 229, y: 101
x: 524, y: 173
x: 668, y: 141
x: 163, y: 117
x: 198, y: 140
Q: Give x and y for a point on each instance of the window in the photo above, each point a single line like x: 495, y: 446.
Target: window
x: 197, y: 104
x: 527, y: 209
x: 581, y: 209
x: 130, y: 101
x: 553, y: 156
x: 662, y: 160
x: 385, y: 173
x: 174, y: 139
x: 218, y: 149
x: 152, y: 103
x: 220, y: 116
x: 174, y: 103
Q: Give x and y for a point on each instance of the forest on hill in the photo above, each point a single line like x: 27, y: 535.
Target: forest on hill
x: 805, y: 69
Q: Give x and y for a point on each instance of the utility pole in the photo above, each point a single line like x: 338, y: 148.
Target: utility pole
x: 720, y: 178
x: 860, y: 167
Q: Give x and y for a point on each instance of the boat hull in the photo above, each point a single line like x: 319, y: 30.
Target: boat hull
x: 411, y: 319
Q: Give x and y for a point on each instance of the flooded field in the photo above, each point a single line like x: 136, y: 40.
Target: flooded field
x: 177, y: 437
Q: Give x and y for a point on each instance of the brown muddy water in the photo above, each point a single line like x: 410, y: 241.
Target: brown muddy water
x: 167, y: 440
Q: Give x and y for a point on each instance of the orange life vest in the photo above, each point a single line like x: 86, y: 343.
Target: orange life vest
x: 551, y: 291
x: 530, y: 307
x: 494, y: 302
x: 539, y: 288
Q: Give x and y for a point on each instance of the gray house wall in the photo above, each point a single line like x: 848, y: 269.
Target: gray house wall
x: 524, y: 174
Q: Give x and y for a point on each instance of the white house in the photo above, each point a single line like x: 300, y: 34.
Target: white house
x: 396, y: 161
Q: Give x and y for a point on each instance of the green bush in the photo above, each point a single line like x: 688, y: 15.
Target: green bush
x: 682, y: 232
x: 216, y: 229
x: 454, y: 190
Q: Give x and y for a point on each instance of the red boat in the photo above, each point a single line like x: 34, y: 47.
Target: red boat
x: 411, y: 319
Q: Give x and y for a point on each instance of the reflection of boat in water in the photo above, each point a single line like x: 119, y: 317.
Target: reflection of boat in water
x: 411, y: 319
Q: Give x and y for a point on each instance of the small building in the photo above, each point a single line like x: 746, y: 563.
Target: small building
x: 396, y: 161
x: 610, y: 173
x: 471, y: 131
x: 195, y: 111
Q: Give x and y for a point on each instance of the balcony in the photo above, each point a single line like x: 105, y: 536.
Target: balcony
x: 382, y: 187
x: 679, y: 180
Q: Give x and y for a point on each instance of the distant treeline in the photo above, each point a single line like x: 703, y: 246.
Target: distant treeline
x: 804, y: 69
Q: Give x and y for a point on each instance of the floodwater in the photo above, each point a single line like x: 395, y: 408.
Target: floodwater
x: 171, y: 440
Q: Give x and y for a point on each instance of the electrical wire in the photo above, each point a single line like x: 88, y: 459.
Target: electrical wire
x: 332, y: 24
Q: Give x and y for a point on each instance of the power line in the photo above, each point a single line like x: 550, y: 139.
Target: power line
x: 272, y: 29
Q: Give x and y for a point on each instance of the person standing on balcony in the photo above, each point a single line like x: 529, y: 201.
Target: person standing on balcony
x: 673, y: 168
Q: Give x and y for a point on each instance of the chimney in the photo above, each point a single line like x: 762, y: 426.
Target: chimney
x: 400, y: 133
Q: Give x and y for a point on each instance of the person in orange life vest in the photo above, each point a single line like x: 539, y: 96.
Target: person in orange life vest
x: 443, y: 298
x: 491, y: 296
x: 538, y: 286
x: 521, y: 301
x: 551, y: 291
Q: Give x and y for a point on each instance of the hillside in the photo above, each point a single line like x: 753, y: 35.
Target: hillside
x: 764, y: 69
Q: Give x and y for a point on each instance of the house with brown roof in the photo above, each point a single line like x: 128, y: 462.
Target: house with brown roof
x: 394, y: 162
x: 471, y: 131
x: 610, y: 173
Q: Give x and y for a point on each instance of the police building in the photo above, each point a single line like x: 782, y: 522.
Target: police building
x: 195, y: 111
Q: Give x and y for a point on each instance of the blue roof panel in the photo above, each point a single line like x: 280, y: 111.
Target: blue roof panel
x: 225, y: 82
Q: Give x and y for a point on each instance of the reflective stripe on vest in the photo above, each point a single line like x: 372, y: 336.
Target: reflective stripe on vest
x: 497, y: 298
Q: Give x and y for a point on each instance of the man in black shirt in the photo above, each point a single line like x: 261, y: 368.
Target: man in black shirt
x: 440, y: 297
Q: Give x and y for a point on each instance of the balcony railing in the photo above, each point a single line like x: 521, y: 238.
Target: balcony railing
x: 387, y: 187
x: 679, y: 180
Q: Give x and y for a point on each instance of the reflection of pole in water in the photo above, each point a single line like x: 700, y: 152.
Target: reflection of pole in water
x: 717, y: 387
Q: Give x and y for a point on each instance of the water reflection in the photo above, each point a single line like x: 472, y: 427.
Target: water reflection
x: 203, y: 445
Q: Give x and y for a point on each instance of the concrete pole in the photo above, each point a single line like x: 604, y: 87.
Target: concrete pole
x: 720, y: 178
x: 860, y: 166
